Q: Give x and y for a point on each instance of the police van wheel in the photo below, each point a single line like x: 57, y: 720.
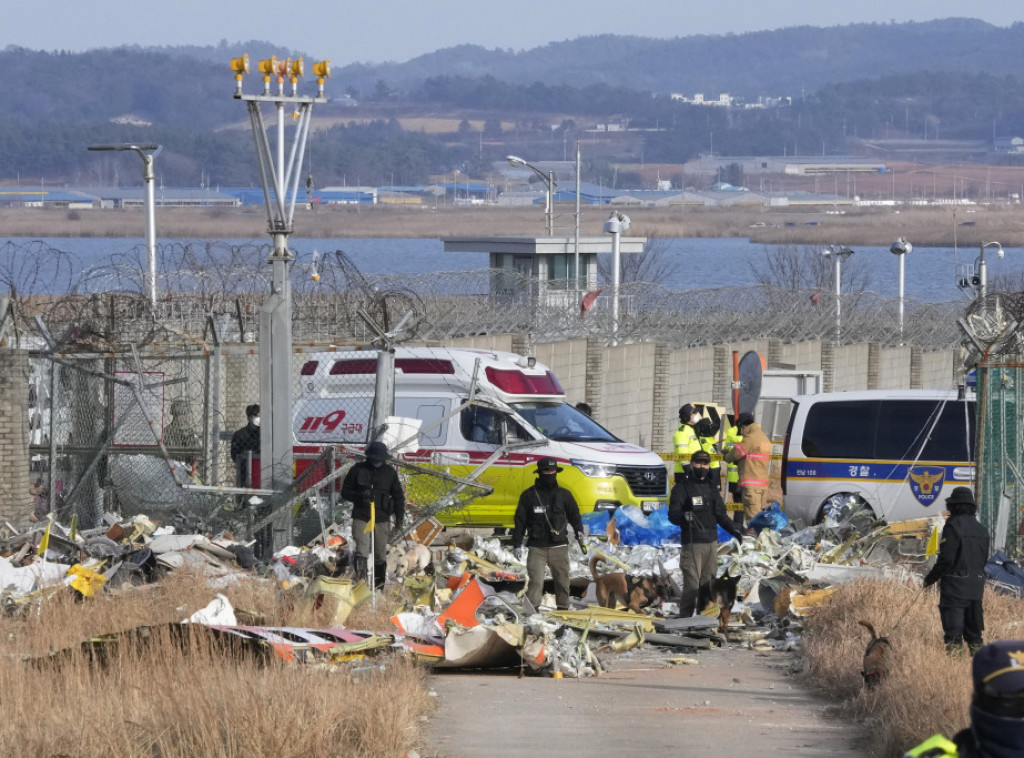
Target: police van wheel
x: 843, y: 506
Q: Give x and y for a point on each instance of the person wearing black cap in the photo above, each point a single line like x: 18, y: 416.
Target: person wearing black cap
x: 244, y: 441
x: 543, y: 516
x: 753, y: 456
x: 997, y: 708
x: 373, y: 481
x: 696, y: 507
x: 960, y: 572
x: 684, y: 440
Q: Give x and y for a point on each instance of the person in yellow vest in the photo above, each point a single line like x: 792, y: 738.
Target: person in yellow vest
x: 753, y: 455
x: 997, y: 708
x: 732, y: 438
x: 684, y: 441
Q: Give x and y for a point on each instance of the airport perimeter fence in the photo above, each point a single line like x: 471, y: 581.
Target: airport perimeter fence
x: 148, y: 431
x: 207, y: 286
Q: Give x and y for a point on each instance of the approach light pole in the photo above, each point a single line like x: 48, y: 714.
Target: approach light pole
x: 901, y: 248
x: 982, y: 270
x: 148, y: 153
x: 549, y: 180
x: 616, y: 224
x: 838, y: 254
x: 280, y: 187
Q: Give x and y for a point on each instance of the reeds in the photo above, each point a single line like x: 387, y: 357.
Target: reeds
x: 170, y: 695
x: 926, y: 691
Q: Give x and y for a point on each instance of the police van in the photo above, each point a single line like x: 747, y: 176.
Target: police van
x: 523, y: 408
x: 898, y: 452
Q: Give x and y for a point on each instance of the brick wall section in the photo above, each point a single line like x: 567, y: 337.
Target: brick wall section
x: 940, y: 368
x: 691, y: 379
x: 828, y: 366
x: 15, y: 501
x: 722, y: 394
x: 595, y: 358
x: 806, y: 356
x: 874, y: 364
x: 663, y: 415
x: 915, y: 368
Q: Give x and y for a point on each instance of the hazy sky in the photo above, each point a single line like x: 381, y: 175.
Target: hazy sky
x: 397, y: 30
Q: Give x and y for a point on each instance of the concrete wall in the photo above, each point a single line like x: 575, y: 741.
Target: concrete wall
x: 850, y: 366
x: 628, y: 392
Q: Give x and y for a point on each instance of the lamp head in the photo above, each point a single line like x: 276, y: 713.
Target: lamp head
x: 901, y: 247
x: 515, y: 160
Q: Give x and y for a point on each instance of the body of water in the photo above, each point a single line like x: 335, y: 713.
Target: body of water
x: 692, y: 263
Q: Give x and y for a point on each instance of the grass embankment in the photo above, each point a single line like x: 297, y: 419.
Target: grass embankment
x: 196, y: 699
x: 923, y: 226
x: 926, y: 691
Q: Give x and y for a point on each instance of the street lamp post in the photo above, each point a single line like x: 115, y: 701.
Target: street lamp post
x: 901, y: 248
x: 148, y: 153
x: 838, y: 255
x: 549, y: 180
x: 615, y: 225
x: 982, y: 270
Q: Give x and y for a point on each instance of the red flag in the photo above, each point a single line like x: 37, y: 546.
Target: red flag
x: 588, y: 302
x: 815, y: 298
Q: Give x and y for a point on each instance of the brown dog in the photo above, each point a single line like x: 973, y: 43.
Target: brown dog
x: 634, y: 593
x: 875, y: 657
x: 723, y: 591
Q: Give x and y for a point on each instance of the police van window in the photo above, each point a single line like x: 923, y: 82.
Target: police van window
x: 479, y: 424
x: 903, y: 428
x: 845, y: 429
x: 953, y: 439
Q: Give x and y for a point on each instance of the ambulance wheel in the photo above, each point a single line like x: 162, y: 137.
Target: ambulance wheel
x: 843, y: 506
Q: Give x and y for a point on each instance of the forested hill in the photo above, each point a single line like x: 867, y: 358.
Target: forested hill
x: 785, y: 61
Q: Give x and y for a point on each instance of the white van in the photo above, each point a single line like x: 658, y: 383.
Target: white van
x: 526, y: 407
x: 900, y: 452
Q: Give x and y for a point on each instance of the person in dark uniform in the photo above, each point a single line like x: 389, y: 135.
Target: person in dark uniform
x: 373, y: 481
x: 696, y: 507
x: 997, y: 708
x: 960, y: 572
x: 246, y: 440
x: 543, y: 516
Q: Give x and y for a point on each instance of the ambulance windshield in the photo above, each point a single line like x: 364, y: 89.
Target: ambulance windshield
x: 559, y: 421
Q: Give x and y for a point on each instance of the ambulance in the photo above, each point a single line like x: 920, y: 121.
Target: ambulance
x: 522, y: 407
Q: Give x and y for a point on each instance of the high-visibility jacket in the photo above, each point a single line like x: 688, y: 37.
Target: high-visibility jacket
x: 732, y: 438
x: 685, y: 442
x: 753, y: 454
x: 935, y: 746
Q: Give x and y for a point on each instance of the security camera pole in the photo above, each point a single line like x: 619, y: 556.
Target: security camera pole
x: 616, y: 224
x: 901, y: 248
x: 280, y: 187
x: 982, y: 270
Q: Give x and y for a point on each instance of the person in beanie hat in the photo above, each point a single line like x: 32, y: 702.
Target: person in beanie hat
x: 997, y: 708
x: 543, y: 516
x: 960, y: 573
x: 373, y: 481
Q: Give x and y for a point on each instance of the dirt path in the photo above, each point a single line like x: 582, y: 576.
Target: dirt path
x: 733, y: 702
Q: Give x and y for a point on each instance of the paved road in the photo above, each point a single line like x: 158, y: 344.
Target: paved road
x: 734, y: 702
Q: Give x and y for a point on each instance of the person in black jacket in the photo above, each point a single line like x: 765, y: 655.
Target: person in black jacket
x: 373, y: 481
x: 243, y: 441
x: 696, y: 507
x: 544, y: 514
x: 960, y: 572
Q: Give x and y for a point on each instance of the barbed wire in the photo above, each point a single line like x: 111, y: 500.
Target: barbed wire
x: 204, y: 285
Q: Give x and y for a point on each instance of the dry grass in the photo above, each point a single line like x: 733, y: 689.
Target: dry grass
x: 863, y: 226
x: 926, y: 692
x: 195, y: 698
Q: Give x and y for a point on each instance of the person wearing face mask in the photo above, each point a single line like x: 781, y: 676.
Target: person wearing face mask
x: 543, y: 516
x: 373, y: 481
x: 685, y: 440
x: 696, y: 507
x: 246, y: 440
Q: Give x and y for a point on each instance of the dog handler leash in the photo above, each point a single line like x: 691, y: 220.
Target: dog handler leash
x: 918, y: 596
